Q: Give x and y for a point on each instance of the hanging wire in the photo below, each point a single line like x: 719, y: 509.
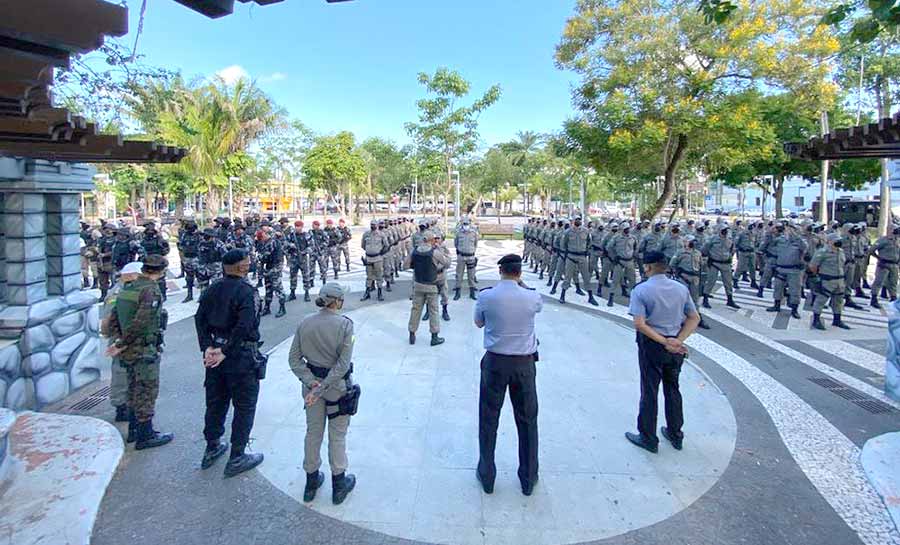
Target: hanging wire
x: 140, y: 29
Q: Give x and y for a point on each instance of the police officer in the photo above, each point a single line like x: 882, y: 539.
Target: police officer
x: 209, y: 261
x: 441, y: 281
x: 375, y: 247
x: 189, y: 247
x: 607, y: 263
x: 887, y: 250
x: 559, y: 269
x: 334, y: 242
x: 746, y: 252
x: 125, y: 249
x: 135, y: 327
x: 104, y: 251
x: 597, y: 233
x: 671, y: 243
x: 664, y: 317
x: 576, y: 246
x: 344, y: 246
x: 649, y: 243
x: 300, y: 248
x: 321, y: 357
x: 155, y: 244
x: 789, y: 251
x: 686, y: 266
x: 466, y: 244
x: 87, y: 251
x: 719, y: 251
x: 228, y: 332
x: 507, y: 313
x: 118, y: 382
x: 425, y: 261
x: 621, y: 252
x: 768, y: 253
x: 828, y: 266
x: 271, y: 259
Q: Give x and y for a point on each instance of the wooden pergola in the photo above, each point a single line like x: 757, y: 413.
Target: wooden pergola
x: 879, y: 140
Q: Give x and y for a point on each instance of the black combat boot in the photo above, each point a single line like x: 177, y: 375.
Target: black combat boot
x: 549, y: 279
x: 837, y: 322
x: 95, y: 284
x: 380, y: 295
x: 341, y: 485
x: 735, y: 283
x: 884, y: 293
x: 562, y: 296
x: 293, y: 295
x: 281, y: 310
x: 817, y: 322
x: 314, y: 481
x: 745, y: 277
x: 121, y: 413
x: 132, y: 427
x: 706, y: 302
x: 703, y: 324
x: 865, y: 283
x: 412, y: 337
x: 147, y: 437
x: 241, y: 462
x: 874, y: 302
x: 578, y: 289
x: 387, y: 287
x: 103, y: 292
x: 348, y: 267
x: 541, y: 277
x: 190, y: 295
x: 426, y: 315
x: 754, y: 285
x: 850, y: 303
x: 776, y: 307
x: 858, y: 292
x: 85, y: 282
x: 365, y: 297
x: 181, y: 274
x: 267, y: 309
x: 624, y: 291
x: 335, y: 275
x: 214, y: 451
x: 759, y: 291
x: 553, y: 291
x: 445, y: 315
x: 794, y: 313
x: 473, y: 294
x: 731, y: 303
x: 456, y: 294
x: 609, y: 301
x: 591, y: 299
x: 436, y: 340
x: 306, y: 296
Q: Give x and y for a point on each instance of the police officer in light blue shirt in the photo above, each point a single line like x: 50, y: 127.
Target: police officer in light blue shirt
x: 664, y: 317
x: 506, y: 312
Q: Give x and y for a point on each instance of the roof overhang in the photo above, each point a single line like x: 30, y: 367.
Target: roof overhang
x: 879, y: 140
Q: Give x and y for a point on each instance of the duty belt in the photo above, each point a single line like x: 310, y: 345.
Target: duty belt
x: 723, y: 261
x: 598, y: 248
x: 373, y: 255
x: 579, y: 254
x: 889, y: 262
x: 687, y: 272
x: 798, y: 266
x: 464, y: 254
x: 322, y: 372
x: 623, y: 260
x: 830, y: 277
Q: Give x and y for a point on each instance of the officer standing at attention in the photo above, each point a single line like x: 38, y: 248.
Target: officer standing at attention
x: 118, y: 382
x: 621, y: 252
x: 664, y: 317
x: 827, y: 266
x: 887, y: 250
x: 425, y: 260
x: 189, y: 248
x: 507, y: 312
x: 155, y: 244
x: 577, y: 245
x: 375, y: 245
x: 135, y: 327
x: 344, y: 246
x: 686, y: 266
x: 720, y: 252
x: 746, y: 251
x: 788, y: 265
x: 320, y: 357
x: 466, y: 244
x: 228, y: 332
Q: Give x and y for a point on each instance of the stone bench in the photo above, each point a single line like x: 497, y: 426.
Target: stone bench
x: 493, y: 229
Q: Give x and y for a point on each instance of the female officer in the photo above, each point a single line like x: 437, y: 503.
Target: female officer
x: 320, y: 357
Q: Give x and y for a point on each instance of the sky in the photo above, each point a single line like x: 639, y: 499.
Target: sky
x: 353, y: 66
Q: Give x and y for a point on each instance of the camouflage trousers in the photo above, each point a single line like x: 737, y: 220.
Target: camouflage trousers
x: 300, y: 264
x: 208, y: 273
x: 143, y: 386
x: 334, y: 258
x: 189, y: 266
x: 374, y: 274
x: 389, y: 266
x: 829, y: 291
x: 322, y: 261
x: 465, y: 267
x: 746, y: 264
x: 118, y: 384
x: 344, y: 250
x: 577, y: 266
x: 886, y: 276
x: 274, y: 286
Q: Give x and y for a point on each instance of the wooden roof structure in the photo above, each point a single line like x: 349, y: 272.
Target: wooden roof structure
x: 879, y: 140
x: 219, y: 8
x: 37, y: 36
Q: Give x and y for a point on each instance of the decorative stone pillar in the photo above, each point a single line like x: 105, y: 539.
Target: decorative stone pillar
x: 50, y: 325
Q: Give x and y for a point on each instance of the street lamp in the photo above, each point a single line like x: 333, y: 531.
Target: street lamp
x: 456, y: 201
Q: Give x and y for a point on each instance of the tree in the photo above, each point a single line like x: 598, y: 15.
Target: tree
x: 663, y: 93
x: 522, y: 152
x: 446, y: 127
x: 333, y: 165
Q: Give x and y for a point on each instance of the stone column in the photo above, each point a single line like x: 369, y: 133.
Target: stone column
x: 24, y: 242
x: 63, y: 248
x: 2, y: 259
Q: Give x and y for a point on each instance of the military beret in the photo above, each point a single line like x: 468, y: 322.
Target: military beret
x: 655, y: 258
x: 233, y: 257
x: 298, y: 223
x: 329, y: 221
x: 510, y: 259
x: 316, y: 222
x: 155, y: 263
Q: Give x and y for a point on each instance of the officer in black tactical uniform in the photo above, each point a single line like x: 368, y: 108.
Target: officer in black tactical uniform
x: 189, y: 246
x: 211, y: 251
x: 227, y: 323
x: 125, y: 249
x: 154, y: 244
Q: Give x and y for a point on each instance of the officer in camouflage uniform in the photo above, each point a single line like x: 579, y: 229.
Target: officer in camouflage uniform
x: 425, y: 261
x: 271, y: 259
x: 334, y: 246
x: 745, y: 244
x: 685, y: 266
x: 189, y: 248
x: 344, y: 246
x: 375, y: 246
x: 88, y: 250
x: 388, y: 262
x: 466, y: 244
x: 104, y: 251
x: 828, y: 267
x: 322, y: 255
x: 209, y: 258
x: 887, y: 250
x: 719, y: 250
x: 790, y: 249
x: 300, y: 248
x: 621, y: 250
x: 136, y: 326
x: 155, y: 244
x: 862, y: 259
x: 441, y: 281
x: 526, y: 237
x: 543, y: 259
x: 768, y: 252
x: 125, y: 249
x: 549, y: 238
x: 671, y: 243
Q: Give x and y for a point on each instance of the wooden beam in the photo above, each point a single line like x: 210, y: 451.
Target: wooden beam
x: 75, y: 26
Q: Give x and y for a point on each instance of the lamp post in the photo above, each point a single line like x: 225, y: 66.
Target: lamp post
x: 231, y: 180
x: 456, y: 200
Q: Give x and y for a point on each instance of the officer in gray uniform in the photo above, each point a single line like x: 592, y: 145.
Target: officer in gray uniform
x: 597, y: 233
x: 671, y: 243
x: 887, y: 250
x: 827, y: 266
x: 620, y: 251
x: 746, y: 252
x: 851, y: 248
x: 607, y: 264
x: 685, y: 266
x: 768, y: 252
x: 790, y: 249
x: 321, y: 357
x: 466, y: 244
x: 576, y: 245
x: 560, y: 269
x: 719, y: 250
x: 648, y: 243
x: 425, y: 262
x: 375, y: 246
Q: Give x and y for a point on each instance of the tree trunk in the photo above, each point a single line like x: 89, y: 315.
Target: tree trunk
x: 669, y: 179
x: 883, y: 92
x: 778, y: 190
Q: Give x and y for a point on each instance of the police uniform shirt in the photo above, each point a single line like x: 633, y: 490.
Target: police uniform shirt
x: 507, y: 311
x: 663, y: 302
x: 227, y: 319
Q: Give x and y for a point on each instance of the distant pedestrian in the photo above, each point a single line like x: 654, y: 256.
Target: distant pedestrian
x: 664, y: 317
x: 507, y: 312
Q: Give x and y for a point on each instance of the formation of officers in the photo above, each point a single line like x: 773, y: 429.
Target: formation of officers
x: 798, y: 260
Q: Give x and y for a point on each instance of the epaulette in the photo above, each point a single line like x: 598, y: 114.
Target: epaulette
x: 347, y: 318
x: 484, y: 289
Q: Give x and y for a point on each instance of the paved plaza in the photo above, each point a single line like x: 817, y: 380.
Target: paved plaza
x: 788, y: 437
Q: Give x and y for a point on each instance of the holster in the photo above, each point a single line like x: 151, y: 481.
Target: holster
x: 348, y: 404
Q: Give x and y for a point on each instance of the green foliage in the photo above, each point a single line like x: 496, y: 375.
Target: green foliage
x: 864, y: 20
x: 333, y: 163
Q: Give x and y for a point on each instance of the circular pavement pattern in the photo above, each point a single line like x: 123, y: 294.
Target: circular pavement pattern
x: 414, y: 443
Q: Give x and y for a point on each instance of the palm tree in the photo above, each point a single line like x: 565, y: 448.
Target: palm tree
x: 521, y: 153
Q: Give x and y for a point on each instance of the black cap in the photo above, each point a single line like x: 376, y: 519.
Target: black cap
x: 655, y: 258
x: 233, y: 257
x: 155, y: 263
x: 209, y: 231
x: 510, y: 258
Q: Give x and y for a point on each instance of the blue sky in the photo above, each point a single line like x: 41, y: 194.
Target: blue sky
x: 353, y: 66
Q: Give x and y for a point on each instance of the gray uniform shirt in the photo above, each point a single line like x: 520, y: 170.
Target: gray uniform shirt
x: 507, y: 312
x: 663, y: 302
x: 325, y: 339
